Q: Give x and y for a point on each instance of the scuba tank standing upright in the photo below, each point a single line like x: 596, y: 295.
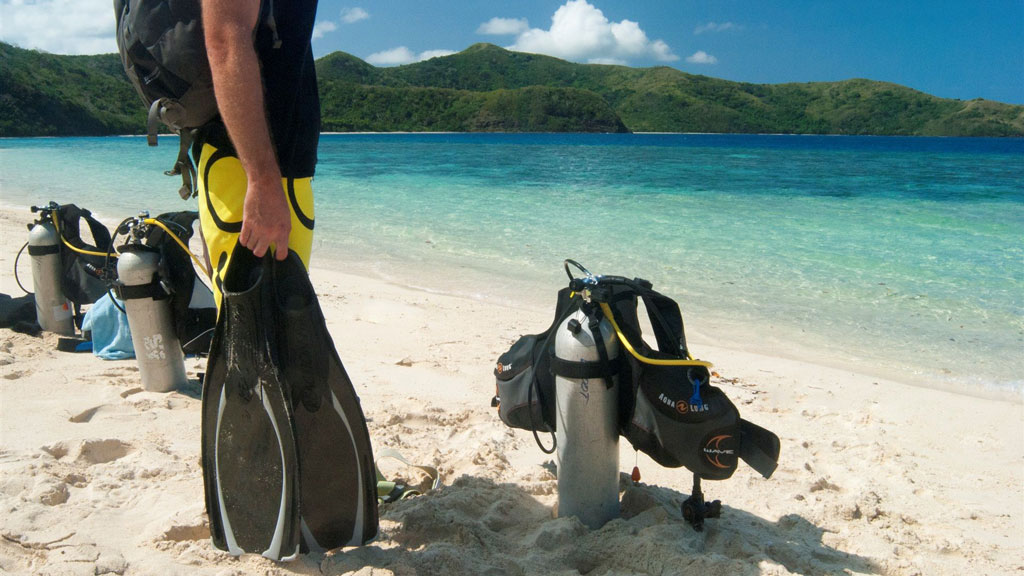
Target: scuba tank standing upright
x: 147, y: 303
x: 53, y: 310
x: 587, y: 418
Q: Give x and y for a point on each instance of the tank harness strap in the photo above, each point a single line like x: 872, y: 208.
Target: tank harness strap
x: 582, y: 369
x: 155, y: 290
x: 602, y: 352
x: 43, y: 250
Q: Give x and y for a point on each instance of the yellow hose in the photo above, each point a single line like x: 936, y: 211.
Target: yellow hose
x: 655, y: 361
x: 164, y: 227
x: 112, y: 254
x: 56, y: 226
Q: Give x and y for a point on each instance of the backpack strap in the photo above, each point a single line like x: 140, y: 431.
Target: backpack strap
x: 271, y: 22
x: 153, y: 122
x: 184, y: 166
x: 100, y: 234
x: 602, y: 352
x: 674, y: 360
x: 667, y: 322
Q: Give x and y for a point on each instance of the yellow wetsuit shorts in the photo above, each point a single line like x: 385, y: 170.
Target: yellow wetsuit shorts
x: 222, y: 185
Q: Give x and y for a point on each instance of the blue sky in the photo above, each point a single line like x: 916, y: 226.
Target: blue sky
x: 952, y: 49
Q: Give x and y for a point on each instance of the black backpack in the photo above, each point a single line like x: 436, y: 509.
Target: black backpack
x: 163, y: 50
x: 524, y: 392
x: 668, y: 408
x: 193, y: 322
x: 82, y: 282
x: 84, y: 268
x: 191, y: 301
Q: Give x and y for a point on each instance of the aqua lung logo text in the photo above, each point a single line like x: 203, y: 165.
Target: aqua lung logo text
x: 716, y: 450
x: 682, y: 406
x: 502, y: 368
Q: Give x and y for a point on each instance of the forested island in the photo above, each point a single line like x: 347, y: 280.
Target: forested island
x: 486, y: 88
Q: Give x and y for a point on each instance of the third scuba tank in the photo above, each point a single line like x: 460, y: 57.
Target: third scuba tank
x: 587, y: 419
x: 147, y: 304
x: 53, y: 311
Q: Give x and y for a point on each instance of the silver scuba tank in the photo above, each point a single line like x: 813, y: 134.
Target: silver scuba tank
x: 53, y: 311
x: 147, y: 303
x: 586, y: 427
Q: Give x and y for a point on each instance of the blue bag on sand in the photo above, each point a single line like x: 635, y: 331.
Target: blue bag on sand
x: 111, y: 337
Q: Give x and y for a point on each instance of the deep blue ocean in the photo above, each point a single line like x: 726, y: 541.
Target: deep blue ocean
x: 900, y: 257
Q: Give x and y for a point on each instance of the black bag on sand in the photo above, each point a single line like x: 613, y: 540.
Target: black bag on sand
x: 525, y: 386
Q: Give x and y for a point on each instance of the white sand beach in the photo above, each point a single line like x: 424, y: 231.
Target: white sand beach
x: 98, y: 476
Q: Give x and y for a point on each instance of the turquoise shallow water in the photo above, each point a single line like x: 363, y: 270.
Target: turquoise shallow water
x: 901, y: 257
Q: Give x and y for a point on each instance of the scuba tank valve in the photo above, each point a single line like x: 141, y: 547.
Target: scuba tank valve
x: 53, y: 310
x: 148, y: 306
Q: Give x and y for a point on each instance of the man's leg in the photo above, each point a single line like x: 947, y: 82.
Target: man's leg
x: 222, y: 187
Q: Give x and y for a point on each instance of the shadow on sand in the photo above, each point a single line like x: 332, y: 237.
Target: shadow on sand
x: 479, y: 527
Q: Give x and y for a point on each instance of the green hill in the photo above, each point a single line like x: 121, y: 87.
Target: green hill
x: 664, y: 99
x: 47, y: 95
x: 487, y: 88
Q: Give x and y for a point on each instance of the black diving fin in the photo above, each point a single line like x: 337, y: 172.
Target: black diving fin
x: 337, y: 477
x: 324, y: 495
x: 249, y: 455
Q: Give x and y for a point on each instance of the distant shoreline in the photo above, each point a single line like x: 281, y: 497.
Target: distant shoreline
x: 623, y: 134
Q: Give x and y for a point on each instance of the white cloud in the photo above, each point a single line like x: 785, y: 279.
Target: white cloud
x: 715, y: 27
x: 59, y: 26
x: 402, y: 55
x: 353, y: 15
x: 321, y: 28
x: 701, y: 57
x: 580, y: 31
x: 427, y: 55
x: 504, y: 27
x: 392, y: 57
x: 348, y: 16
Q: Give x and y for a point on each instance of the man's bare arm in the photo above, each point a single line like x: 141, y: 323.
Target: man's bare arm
x: 229, y: 26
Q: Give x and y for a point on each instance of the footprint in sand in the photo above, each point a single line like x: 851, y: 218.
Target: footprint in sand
x: 84, y: 416
x: 184, y: 525
x: 184, y: 532
x: 102, y: 451
x: 58, y: 450
x: 90, y: 452
x: 51, y: 492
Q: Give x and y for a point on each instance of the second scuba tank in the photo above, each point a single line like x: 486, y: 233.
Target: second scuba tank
x: 53, y: 311
x: 147, y: 303
x: 587, y: 422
